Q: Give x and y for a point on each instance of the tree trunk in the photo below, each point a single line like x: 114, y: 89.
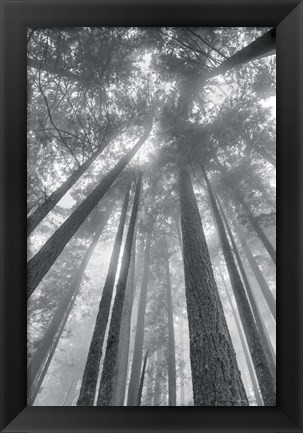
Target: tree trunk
x: 138, y: 265
x: 157, y: 392
x: 71, y: 392
x: 270, y: 300
x: 139, y: 338
x: 251, y: 297
x: 263, y: 46
x: 267, y: 156
x: 253, y: 221
x: 90, y: 375
x: 151, y: 379
x: 182, y: 384
x: 39, y: 265
x: 270, y: 249
x: 141, y: 381
x: 124, y: 338
x: 243, y: 344
x: 37, y: 216
x: 265, y: 378
x: 215, y: 373
x: 172, y: 385
x: 106, y: 389
x: 41, y: 359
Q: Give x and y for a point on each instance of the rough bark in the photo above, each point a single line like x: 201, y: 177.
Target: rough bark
x: 263, y: 372
x: 41, y: 359
x: 90, y: 375
x: 139, y: 338
x: 141, y: 381
x: 215, y: 373
x: 125, y: 330
x: 251, y: 298
x: 40, y: 264
x: 172, y: 380
x: 243, y: 344
x: 37, y: 216
x: 263, y: 46
x: 107, y: 382
x: 182, y: 384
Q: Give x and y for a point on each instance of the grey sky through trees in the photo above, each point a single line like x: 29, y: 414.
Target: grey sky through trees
x: 185, y: 118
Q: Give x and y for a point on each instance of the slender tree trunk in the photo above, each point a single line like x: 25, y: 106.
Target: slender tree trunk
x: 215, y: 373
x: 141, y: 381
x: 157, y: 392
x: 251, y: 297
x: 71, y: 392
x: 243, y: 344
x: 106, y: 389
x: 270, y: 300
x: 40, y: 264
x: 41, y: 359
x: 172, y: 385
x: 37, y: 216
x: 125, y: 330
x: 90, y: 375
x: 263, y: 46
x: 139, y: 338
x: 266, y: 155
x: 150, y: 382
x: 252, y: 219
x: 265, y: 378
x: 138, y: 265
x: 179, y: 234
x: 270, y: 249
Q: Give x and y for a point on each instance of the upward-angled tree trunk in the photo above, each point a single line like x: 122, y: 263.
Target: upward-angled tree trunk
x: 39, y: 265
x: 270, y: 300
x: 141, y: 381
x: 41, y: 359
x: 172, y: 380
x: 37, y: 216
x: 215, y: 373
x: 106, y: 390
x: 266, y: 155
x: 243, y: 344
x: 263, y: 46
x: 265, y: 377
x: 139, y: 338
x: 251, y: 298
x: 252, y: 219
x: 124, y: 338
x: 90, y: 375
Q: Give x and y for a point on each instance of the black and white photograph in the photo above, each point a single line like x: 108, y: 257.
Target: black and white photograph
x: 151, y: 216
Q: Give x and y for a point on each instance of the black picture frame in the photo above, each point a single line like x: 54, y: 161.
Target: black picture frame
x: 15, y: 17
